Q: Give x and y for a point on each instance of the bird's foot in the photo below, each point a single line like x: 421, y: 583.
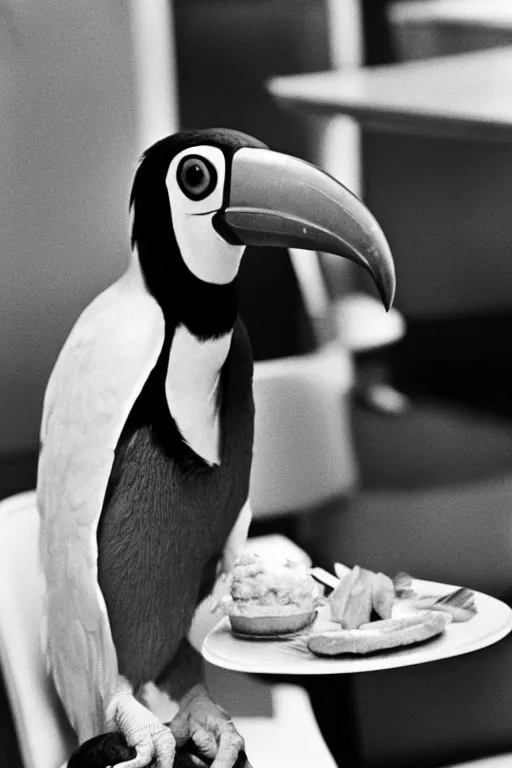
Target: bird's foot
x: 209, y: 729
x: 151, y: 739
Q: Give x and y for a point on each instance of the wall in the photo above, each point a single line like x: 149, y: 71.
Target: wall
x: 227, y: 49
x: 67, y: 149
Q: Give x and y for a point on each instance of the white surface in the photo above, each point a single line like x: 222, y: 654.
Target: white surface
x: 303, y: 453
x: 492, y: 622
x: 364, y: 324
x: 460, y: 95
x: 498, y: 761
x: 155, y: 69
x: 43, y: 734
x: 489, y: 13
x: 339, y: 150
x: 313, y: 288
x: 345, y: 33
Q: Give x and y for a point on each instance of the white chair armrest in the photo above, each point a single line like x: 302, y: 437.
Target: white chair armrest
x: 303, y: 453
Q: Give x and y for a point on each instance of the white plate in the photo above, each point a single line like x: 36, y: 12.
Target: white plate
x: 492, y: 622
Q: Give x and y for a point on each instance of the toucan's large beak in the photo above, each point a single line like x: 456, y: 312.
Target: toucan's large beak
x: 278, y: 200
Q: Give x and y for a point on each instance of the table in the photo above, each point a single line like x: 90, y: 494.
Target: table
x: 462, y: 96
x: 439, y: 27
x: 437, y: 148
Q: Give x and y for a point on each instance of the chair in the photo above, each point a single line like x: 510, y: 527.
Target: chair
x: 300, y: 445
x: 44, y: 736
x: 303, y: 453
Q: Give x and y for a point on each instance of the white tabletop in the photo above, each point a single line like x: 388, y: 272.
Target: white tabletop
x: 492, y: 14
x: 467, y: 96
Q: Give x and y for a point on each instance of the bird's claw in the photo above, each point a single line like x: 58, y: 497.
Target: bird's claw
x: 213, y: 734
x: 156, y: 749
x: 153, y: 742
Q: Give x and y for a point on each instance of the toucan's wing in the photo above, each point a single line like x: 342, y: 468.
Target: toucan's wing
x: 96, y: 380
x: 237, y: 539
x: 206, y: 615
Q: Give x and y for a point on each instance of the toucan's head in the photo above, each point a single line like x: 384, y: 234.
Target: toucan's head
x: 206, y: 194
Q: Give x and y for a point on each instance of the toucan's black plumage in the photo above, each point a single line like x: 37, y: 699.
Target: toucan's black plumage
x: 207, y: 310
x: 168, y: 515
x: 148, y: 430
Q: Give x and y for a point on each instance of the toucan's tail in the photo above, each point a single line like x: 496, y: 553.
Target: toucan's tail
x: 102, y: 751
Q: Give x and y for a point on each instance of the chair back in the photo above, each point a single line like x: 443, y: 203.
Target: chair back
x: 303, y: 452
x: 44, y: 735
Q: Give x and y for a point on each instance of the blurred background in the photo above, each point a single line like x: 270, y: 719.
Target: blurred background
x: 427, y: 482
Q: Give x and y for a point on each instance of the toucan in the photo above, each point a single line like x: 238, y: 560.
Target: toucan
x: 147, y: 434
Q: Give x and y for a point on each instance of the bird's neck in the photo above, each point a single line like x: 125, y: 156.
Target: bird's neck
x: 207, y: 309
x: 192, y: 388
x: 199, y: 319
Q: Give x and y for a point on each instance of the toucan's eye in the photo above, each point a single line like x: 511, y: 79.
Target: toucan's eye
x: 196, y: 177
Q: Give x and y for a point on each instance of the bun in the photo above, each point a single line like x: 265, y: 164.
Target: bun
x: 268, y: 626
x: 271, y: 598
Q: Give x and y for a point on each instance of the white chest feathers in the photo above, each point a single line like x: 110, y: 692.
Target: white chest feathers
x: 192, y: 390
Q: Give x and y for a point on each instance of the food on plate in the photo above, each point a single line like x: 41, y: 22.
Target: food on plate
x: 361, y: 593
x: 402, y: 583
x: 406, y: 616
x: 379, y: 635
x: 358, y: 593
x: 269, y: 598
x: 459, y: 604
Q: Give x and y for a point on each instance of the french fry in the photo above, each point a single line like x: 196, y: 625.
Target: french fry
x: 339, y: 598
x: 359, y: 604
x: 383, y: 594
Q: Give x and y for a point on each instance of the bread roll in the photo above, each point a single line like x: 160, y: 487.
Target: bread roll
x: 379, y: 635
